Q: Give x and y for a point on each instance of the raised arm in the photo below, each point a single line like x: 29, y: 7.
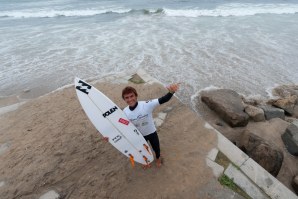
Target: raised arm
x: 172, y: 89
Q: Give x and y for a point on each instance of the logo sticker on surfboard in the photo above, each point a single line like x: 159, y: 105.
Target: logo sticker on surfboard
x: 123, y: 121
x: 83, y: 87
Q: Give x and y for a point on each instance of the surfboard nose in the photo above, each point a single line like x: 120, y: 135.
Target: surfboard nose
x: 76, y: 79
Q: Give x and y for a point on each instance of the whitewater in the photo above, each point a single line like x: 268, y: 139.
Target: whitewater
x: 248, y: 47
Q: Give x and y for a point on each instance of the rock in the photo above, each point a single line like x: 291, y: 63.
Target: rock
x: 136, y: 79
x: 271, y: 112
x: 253, y: 100
x: 270, y: 130
x: 265, y: 154
x: 295, y: 184
x: 285, y: 90
x: 257, y: 114
x: 227, y: 104
x: 295, y: 112
x: 286, y: 104
x: 290, y: 139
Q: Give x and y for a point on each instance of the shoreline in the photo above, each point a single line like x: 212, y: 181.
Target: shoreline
x: 13, y: 102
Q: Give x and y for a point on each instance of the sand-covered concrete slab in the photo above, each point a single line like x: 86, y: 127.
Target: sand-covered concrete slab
x: 270, y: 185
x: 216, y: 168
x: 244, y: 183
x: 53, y: 144
x: 212, y: 154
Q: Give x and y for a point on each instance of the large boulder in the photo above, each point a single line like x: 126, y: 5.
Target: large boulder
x: 264, y: 153
x: 255, y: 113
x: 227, y: 104
x: 286, y: 104
x: 295, y: 184
x: 290, y: 139
x: 272, y: 112
x: 285, y: 90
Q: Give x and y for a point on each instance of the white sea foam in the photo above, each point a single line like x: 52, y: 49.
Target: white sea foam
x: 57, y: 13
x: 223, y: 10
x: 233, y: 53
x: 269, y: 91
x: 236, y: 10
x: 209, y: 88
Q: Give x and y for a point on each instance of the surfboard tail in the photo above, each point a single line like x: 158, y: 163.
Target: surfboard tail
x: 146, y: 160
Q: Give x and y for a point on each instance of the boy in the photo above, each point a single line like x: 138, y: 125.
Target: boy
x: 140, y: 114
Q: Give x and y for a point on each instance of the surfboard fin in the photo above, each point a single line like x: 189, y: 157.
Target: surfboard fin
x: 132, y: 161
x: 146, y: 159
x: 147, y: 148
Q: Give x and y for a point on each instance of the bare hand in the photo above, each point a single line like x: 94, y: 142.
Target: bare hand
x: 173, y: 87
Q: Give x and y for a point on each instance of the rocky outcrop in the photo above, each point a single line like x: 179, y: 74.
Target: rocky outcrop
x: 255, y: 113
x: 287, y: 104
x: 265, y: 154
x: 228, y: 105
x: 285, y: 91
x: 295, y: 184
x: 289, y: 99
x: 272, y: 112
x: 290, y: 139
x: 261, y: 138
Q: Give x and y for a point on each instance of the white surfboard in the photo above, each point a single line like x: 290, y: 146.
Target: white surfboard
x: 112, y: 122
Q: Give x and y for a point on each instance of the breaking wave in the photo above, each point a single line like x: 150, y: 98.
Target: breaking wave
x: 223, y: 10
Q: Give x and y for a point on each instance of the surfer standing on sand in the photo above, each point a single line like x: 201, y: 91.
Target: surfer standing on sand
x: 140, y: 114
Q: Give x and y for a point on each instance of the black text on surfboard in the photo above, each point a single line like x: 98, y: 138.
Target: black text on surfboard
x: 117, y: 138
x: 84, y: 87
x: 136, y: 131
x: 109, y: 112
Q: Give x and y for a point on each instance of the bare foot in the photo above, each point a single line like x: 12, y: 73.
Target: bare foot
x: 146, y: 166
x: 158, y: 162
x: 105, y: 139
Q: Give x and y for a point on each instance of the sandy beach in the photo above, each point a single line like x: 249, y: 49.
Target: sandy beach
x: 49, y: 149
x: 51, y: 145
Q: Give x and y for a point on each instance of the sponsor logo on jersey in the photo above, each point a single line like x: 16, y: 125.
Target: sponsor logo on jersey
x: 123, y: 121
x: 109, y: 112
x: 141, y: 116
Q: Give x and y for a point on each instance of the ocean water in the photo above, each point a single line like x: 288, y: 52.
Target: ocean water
x: 248, y: 46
